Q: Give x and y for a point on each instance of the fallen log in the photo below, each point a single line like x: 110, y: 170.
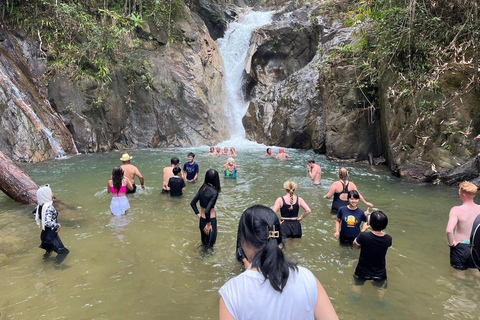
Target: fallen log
x: 16, y: 183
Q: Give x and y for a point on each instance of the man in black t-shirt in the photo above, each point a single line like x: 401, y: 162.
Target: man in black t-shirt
x: 176, y: 184
x: 372, y: 262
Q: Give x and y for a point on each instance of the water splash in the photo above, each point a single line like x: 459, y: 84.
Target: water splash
x: 233, y: 48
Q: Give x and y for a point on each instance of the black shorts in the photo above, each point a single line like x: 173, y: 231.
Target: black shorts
x: 346, y: 241
x: 376, y: 282
x: 133, y: 190
x: 461, y: 257
x: 291, y: 229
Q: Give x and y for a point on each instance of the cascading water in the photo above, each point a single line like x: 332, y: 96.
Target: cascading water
x: 233, y: 48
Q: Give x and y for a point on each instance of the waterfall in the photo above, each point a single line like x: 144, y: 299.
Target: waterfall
x: 233, y: 48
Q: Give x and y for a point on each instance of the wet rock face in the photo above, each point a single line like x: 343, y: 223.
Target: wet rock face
x: 285, y: 108
x: 434, y: 137
x: 30, y: 130
x: 167, y: 97
x: 214, y: 17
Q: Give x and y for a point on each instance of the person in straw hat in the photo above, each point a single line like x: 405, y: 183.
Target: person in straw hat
x: 130, y: 171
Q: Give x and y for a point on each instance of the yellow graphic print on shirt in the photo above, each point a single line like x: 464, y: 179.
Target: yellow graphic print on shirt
x: 351, y: 221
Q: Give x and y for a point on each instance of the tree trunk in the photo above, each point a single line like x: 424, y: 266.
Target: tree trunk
x: 16, y: 183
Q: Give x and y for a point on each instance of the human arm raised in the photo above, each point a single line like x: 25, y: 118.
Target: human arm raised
x: 361, y: 198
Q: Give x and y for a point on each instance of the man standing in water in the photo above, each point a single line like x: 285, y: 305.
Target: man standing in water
x: 168, y: 173
x: 315, y: 172
x: 281, y: 154
x: 191, y: 168
x: 459, y: 228
x: 130, y: 171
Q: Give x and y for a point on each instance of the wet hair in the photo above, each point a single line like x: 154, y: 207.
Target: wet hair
x: 468, y: 188
x: 378, y: 221
x: 311, y: 161
x: 117, y: 178
x: 269, y: 149
x: 176, y: 170
x: 290, y: 187
x: 353, y: 194
x: 212, y: 149
x: 174, y: 161
x: 259, y: 227
x: 212, y: 180
x: 191, y: 154
x: 343, y: 174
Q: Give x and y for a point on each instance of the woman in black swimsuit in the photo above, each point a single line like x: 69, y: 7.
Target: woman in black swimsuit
x: 207, y: 195
x: 289, y: 206
x: 339, y: 190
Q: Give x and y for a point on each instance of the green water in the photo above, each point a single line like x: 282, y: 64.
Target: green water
x: 150, y: 265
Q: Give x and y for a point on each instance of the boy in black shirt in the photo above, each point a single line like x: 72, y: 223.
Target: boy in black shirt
x: 374, y: 246
x: 176, y: 184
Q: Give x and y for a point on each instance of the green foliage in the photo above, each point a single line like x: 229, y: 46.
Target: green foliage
x: 90, y: 37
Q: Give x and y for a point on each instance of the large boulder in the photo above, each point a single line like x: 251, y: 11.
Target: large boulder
x: 285, y: 108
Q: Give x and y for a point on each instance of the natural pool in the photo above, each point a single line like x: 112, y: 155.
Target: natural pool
x: 150, y: 265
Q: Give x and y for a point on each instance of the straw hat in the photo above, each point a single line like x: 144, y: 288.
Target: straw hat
x: 126, y: 157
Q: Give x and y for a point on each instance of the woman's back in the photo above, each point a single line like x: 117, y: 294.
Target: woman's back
x: 249, y: 296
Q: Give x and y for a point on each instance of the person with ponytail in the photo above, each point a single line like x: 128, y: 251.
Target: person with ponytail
x: 272, y: 287
x: 289, y: 206
x: 207, y: 195
x: 46, y: 219
x: 339, y: 191
x: 118, y: 186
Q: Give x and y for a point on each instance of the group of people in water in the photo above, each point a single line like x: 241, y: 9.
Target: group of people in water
x: 291, y: 291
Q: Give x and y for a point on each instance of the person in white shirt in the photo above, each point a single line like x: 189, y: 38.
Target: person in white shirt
x: 272, y: 287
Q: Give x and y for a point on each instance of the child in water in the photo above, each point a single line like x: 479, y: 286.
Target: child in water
x: 176, y: 184
x: 373, y: 250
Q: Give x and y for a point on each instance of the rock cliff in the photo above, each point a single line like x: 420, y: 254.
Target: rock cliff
x: 30, y: 130
x: 164, y: 97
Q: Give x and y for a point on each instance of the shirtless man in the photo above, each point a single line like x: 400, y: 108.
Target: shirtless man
x: 459, y: 227
x: 269, y: 153
x: 281, y: 154
x: 130, y: 171
x: 168, y: 173
x: 218, y: 151
x: 315, y: 172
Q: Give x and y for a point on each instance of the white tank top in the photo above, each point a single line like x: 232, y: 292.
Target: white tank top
x: 249, y: 296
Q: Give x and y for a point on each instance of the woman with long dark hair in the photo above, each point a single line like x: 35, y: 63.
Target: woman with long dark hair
x: 117, y: 186
x: 272, y: 287
x: 207, y: 195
